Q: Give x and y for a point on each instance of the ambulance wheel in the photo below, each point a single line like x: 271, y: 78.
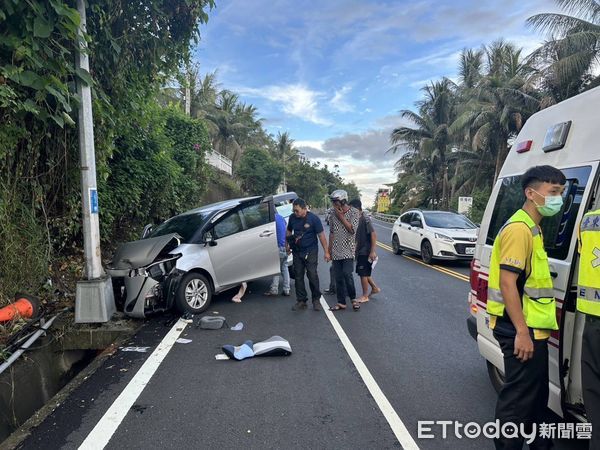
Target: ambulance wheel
x: 427, y: 252
x: 396, y: 245
x: 193, y: 294
x: 496, y: 377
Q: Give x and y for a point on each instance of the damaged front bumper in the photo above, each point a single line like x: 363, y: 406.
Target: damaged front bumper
x: 145, y: 276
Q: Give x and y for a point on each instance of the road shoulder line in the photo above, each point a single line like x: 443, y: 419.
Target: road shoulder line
x: 100, y: 436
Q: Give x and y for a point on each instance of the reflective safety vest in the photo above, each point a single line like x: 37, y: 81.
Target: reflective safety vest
x: 588, y: 290
x: 538, y: 303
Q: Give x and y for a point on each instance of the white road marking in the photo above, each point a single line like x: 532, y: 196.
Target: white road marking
x: 106, y: 427
x: 397, y: 426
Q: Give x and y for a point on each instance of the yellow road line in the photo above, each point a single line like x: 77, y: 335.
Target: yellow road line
x: 443, y: 270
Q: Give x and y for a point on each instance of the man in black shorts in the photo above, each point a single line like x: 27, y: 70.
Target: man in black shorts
x: 366, y: 240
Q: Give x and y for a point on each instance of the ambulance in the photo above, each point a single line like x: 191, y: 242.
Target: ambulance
x: 566, y: 136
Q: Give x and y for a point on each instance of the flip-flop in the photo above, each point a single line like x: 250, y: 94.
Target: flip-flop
x: 236, y: 299
x: 363, y: 300
x: 337, y: 307
x: 355, y: 306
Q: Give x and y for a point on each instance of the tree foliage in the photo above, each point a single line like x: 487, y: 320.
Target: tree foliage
x: 461, y: 133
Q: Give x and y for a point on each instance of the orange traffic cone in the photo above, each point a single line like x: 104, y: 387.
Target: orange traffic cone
x: 25, y: 306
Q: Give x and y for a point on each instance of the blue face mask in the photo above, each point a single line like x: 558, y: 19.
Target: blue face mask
x: 552, y: 204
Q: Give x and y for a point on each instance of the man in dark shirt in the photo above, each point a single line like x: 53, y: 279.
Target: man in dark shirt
x: 306, y: 231
x: 366, y: 240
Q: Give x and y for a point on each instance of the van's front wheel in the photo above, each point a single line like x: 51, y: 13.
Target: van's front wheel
x: 194, y: 294
x: 496, y: 377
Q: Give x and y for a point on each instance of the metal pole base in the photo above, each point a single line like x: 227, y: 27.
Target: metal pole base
x: 95, y: 301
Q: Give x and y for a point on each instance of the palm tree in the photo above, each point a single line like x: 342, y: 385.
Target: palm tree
x: 499, y: 105
x: 285, y: 151
x: 431, y: 138
x: 223, y: 125
x: 573, y: 48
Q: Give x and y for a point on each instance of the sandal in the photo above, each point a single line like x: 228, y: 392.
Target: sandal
x: 237, y: 299
x: 337, y: 307
x: 355, y: 306
x: 363, y: 300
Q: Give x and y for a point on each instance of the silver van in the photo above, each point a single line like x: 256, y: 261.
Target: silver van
x: 184, y: 261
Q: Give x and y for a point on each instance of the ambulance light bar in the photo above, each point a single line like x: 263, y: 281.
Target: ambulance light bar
x: 556, y: 136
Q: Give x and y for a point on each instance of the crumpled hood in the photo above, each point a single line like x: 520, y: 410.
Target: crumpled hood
x: 133, y: 255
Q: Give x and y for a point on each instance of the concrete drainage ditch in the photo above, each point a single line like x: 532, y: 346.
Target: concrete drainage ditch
x: 48, y: 368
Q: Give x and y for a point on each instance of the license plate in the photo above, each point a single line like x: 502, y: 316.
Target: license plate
x: 470, y: 250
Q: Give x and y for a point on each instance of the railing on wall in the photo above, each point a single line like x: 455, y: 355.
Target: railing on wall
x: 385, y: 217
x: 219, y: 161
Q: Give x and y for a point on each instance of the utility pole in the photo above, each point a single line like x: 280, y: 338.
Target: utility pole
x: 188, y: 98
x: 95, y: 299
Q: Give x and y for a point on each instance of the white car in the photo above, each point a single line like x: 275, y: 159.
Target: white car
x: 435, y: 235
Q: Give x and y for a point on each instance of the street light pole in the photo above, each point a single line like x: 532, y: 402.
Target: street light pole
x: 95, y: 299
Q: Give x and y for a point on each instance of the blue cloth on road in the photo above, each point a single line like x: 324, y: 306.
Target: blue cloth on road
x: 280, y: 227
x: 241, y: 352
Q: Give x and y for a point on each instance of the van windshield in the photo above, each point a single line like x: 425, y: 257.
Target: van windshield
x: 558, y: 229
x: 185, y: 225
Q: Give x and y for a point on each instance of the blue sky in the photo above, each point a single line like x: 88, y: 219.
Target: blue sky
x: 335, y: 73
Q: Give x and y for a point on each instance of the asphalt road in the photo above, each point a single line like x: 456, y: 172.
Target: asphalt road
x: 412, y: 337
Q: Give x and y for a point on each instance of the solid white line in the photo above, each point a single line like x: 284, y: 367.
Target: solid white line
x: 103, y: 431
x: 385, y: 406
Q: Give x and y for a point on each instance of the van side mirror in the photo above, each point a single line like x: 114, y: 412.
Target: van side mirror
x: 147, y: 230
x: 209, y: 239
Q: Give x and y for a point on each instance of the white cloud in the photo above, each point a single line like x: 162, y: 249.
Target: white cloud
x: 294, y: 99
x: 339, y: 102
x: 314, y: 144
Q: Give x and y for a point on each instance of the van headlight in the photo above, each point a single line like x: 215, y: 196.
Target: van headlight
x: 443, y: 237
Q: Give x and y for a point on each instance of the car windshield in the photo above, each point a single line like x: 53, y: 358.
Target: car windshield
x: 185, y: 225
x: 448, y: 220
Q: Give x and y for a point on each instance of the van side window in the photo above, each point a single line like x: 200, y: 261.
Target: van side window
x: 557, y: 230
x: 229, y: 225
x: 256, y: 215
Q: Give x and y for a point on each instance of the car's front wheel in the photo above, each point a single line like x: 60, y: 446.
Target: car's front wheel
x: 427, y: 252
x: 194, y: 294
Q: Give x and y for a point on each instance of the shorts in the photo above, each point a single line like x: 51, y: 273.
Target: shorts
x: 363, y: 266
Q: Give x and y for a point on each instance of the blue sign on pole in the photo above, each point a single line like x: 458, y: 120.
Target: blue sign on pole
x: 93, y: 201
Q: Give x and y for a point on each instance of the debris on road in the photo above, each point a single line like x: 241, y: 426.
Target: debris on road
x: 183, y: 341
x: 134, y: 349
x: 237, y: 327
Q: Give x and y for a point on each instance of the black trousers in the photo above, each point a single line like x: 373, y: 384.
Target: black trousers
x: 524, y: 397
x: 590, y: 376
x: 344, y: 280
x: 331, y: 279
x: 307, y: 264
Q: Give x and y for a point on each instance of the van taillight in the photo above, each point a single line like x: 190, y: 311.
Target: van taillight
x: 479, y: 285
x: 473, y: 276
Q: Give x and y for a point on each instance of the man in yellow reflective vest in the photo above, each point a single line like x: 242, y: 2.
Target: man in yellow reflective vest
x: 521, y: 304
x: 588, y: 302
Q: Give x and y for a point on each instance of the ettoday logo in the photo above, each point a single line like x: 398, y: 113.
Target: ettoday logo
x: 430, y: 429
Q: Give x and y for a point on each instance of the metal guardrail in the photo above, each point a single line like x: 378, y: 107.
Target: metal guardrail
x: 391, y: 218
x: 219, y: 161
